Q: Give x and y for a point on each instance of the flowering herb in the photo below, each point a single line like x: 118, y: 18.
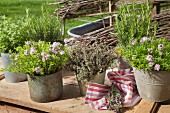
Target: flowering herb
x: 88, y: 61
x: 39, y: 58
x: 149, y: 55
x: 115, y: 99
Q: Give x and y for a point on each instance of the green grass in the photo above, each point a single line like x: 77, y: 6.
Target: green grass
x: 17, y: 7
x: 12, y: 8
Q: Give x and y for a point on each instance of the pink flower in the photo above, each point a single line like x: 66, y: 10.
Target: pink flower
x: 55, y: 44
x: 54, y: 51
x: 37, y: 69
x: 157, y: 67
x: 133, y: 42
x: 32, y: 50
x: 150, y: 58
x: 47, y: 57
x: 150, y: 50
x: 151, y: 64
x: 160, y: 47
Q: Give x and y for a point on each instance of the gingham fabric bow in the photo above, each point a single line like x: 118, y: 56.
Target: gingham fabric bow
x: 123, y: 79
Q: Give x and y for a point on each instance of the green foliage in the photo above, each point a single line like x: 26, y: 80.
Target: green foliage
x: 46, y: 27
x: 38, y: 58
x: 138, y: 54
x: 11, y: 30
x: 133, y: 22
x: 87, y: 61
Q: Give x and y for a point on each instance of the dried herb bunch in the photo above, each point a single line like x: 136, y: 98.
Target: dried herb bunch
x: 87, y: 61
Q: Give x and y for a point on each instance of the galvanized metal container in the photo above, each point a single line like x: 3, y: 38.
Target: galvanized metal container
x: 153, y: 86
x: 12, y: 77
x: 99, y: 78
x: 45, y: 88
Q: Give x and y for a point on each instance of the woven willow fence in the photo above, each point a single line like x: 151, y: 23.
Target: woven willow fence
x: 79, y: 8
x: 161, y: 15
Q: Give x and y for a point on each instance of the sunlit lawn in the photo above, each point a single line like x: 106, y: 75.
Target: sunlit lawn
x: 12, y: 8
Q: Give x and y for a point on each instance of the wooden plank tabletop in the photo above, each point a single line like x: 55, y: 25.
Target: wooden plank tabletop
x: 71, y: 101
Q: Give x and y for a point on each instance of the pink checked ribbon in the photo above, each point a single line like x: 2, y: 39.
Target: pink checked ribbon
x: 123, y: 79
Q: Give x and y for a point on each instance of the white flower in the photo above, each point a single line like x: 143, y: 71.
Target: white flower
x: 55, y: 44
x: 62, y: 52
x: 160, y: 47
x: 144, y: 39
x: 28, y: 42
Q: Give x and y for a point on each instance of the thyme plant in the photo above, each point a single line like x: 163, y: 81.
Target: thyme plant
x: 87, y: 61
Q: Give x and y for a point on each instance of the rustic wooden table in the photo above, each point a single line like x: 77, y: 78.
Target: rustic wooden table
x: 71, y: 101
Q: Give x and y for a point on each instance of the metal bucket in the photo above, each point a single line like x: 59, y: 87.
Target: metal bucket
x: 12, y: 77
x: 45, y: 88
x: 153, y: 86
x: 99, y: 78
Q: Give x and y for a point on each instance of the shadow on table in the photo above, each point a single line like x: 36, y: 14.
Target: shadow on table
x: 165, y: 102
x: 70, y: 86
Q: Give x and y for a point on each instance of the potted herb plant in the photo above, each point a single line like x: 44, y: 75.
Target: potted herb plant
x: 42, y: 62
x: 10, y: 38
x: 133, y: 22
x: 89, y: 63
x: 150, y: 59
x: 45, y: 27
x: 148, y: 56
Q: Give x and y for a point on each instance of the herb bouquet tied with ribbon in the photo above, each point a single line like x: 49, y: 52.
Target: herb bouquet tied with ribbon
x: 42, y: 61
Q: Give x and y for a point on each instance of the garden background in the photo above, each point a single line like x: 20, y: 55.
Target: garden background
x: 12, y: 8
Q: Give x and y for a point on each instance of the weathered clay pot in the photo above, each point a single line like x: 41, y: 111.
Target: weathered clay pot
x: 45, y: 88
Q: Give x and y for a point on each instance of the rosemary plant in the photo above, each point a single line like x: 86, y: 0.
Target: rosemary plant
x: 133, y: 22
